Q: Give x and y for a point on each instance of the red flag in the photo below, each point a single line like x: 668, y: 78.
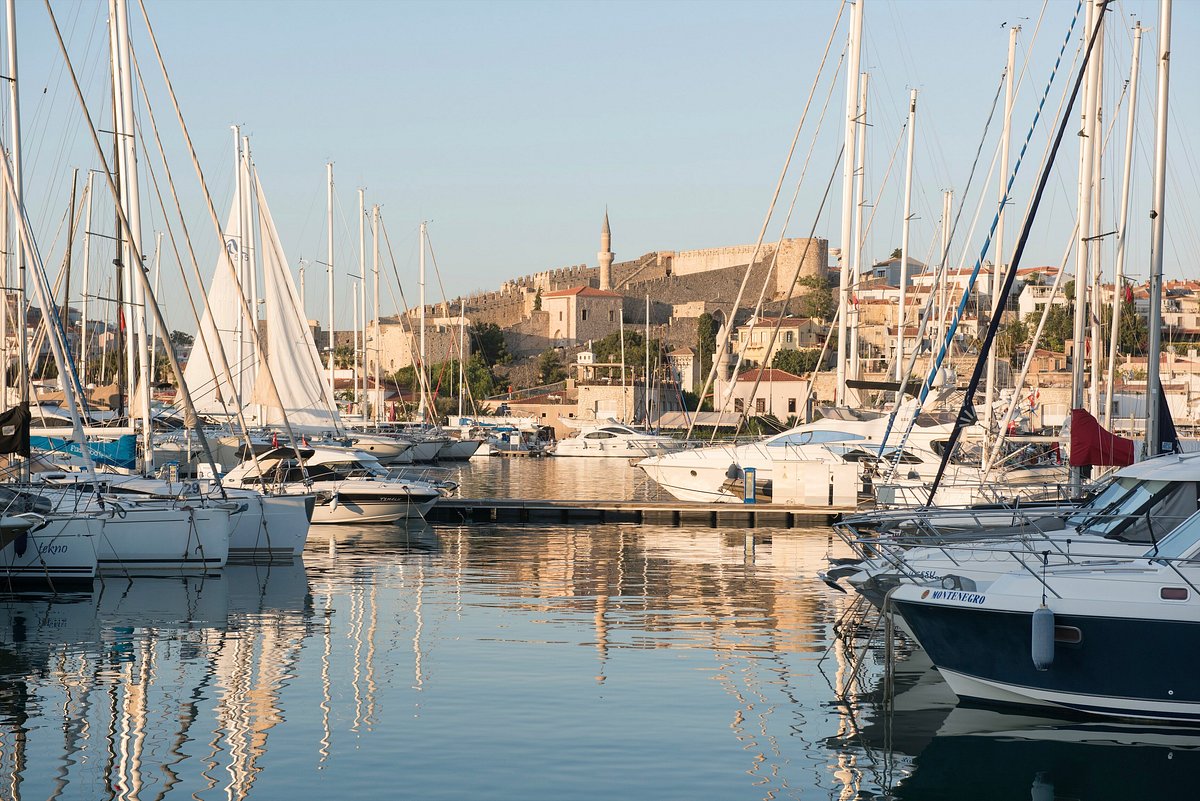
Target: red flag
x: 274, y: 439
x: 1128, y: 294
x: 120, y: 318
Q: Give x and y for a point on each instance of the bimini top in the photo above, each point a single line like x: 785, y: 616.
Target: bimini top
x: 1169, y: 467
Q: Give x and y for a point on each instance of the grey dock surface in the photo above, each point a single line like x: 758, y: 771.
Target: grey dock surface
x: 460, y: 511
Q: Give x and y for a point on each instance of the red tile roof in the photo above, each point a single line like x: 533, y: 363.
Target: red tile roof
x: 582, y: 291
x: 768, y: 374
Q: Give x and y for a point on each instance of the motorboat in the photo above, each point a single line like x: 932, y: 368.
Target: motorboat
x: 350, y: 486
x: 615, y: 440
x: 1109, y: 637
x: 1139, y: 506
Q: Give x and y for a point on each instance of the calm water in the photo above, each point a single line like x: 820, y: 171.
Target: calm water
x: 615, y: 662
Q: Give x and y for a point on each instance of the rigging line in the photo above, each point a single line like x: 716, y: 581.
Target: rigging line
x: 1037, y: 335
x: 712, y: 373
x: 782, y: 233
x: 224, y: 254
x: 795, y: 279
x: 417, y: 360
x: 951, y: 329
x: 967, y: 412
x: 206, y: 346
x: 879, y: 195
x: 454, y: 345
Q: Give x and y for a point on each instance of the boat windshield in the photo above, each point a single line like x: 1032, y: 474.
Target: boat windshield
x: 1116, y: 507
x: 812, y: 438
x: 1180, y: 543
x: 352, y: 469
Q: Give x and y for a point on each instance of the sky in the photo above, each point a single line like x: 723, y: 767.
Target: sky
x: 512, y: 126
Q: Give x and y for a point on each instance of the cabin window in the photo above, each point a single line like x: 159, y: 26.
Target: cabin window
x: 1173, y: 593
x: 599, y: 435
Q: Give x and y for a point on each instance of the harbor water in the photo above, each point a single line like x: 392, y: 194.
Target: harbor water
x: 538, y: 662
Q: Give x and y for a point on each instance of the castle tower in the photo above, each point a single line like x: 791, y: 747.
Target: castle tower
x: 605, y: 255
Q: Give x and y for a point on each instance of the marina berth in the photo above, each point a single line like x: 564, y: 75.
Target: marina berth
x: 1114, y: 638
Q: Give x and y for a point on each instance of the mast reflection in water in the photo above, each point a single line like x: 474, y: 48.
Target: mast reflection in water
x: 500, y: 663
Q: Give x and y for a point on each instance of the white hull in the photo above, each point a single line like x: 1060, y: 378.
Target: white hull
x: 352, y: 509
x: 145, y: 538
x: 459, y: 449
x: 385, y: 449
x: 420, y: 452
x: 60, y: 552
x: 272, y: 526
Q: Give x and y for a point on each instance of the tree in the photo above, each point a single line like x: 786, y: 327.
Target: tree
x: 706, y: 341
x: 490, y: 344
x: 897, y: 253
x: 181, y: 338
x: 550, y: 367
x: 343, y: 356
x: 1010, y: 339
x: 796, y: 362
x: 537, y: 300
x: 817, y: 302
x: 1060, y: 326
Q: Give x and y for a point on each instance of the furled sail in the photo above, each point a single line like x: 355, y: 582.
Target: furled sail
x: 211, y: 393
x: 300, y: 389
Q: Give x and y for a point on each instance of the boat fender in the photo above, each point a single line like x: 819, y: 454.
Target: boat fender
x: 1042, y: 642
x: 333, y: 502
x: 733, y: 472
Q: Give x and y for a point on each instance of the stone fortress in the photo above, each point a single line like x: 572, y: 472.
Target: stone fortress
x: 681, y: 285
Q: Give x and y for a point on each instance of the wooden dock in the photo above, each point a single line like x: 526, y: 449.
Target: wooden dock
x: 461, y: 511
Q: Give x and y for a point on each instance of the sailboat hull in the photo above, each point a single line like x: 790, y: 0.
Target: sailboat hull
x: 57, y: 552
x: 143, y: 538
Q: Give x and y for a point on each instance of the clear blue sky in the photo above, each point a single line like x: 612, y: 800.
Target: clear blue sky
x: 511, y: 126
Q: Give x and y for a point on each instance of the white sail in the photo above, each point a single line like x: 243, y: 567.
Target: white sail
x: 211, y: 393
x: 299, y: 387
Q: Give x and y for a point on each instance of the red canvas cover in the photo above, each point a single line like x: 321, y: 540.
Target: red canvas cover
x: 1092, y: 445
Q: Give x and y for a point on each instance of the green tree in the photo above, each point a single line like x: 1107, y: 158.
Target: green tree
x: 490, y: 344
x: 537, y: 300
x: 1010, y: 339
x: 1060, y: 325
x: 181, y: 338
x: 817, y: 302
x: 706, y: 341
x: 796, y: 362
x: 897, y: 253
x: 343, y: 356
x: 550, y: 367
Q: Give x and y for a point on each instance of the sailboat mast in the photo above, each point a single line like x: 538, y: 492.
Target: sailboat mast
x: 860, y: 179
x: 1086, y: 163
x: 375, y: 270
x: 83, y: 300
x: 462, y: 327
x: 329, y: 271
x: 251, y: 258
x: 421, y: 368
x: 989, y: 393
x: 154, y: 332
x: 904, y: 230
x: 1157, y: 220
x: 360, y: 329
x: 239, y: 238
x: 1096, y: 236
x: 852, y: 67
x: 131, y: 203
x: 15, y: 134
x: 646, y: 383
x: 1122, y: 237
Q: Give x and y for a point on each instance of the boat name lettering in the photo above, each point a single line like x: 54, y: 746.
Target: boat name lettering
x: 51, y: 548
x: 958, y: 595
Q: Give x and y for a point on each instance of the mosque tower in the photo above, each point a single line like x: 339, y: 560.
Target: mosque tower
x: 605, y: 255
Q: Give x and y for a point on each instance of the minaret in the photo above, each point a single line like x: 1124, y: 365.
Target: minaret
x: 605, y: 255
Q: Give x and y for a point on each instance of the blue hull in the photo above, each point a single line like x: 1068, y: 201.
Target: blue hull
x: 1120, y: 666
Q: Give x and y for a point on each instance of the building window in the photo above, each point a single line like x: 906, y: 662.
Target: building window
x: 560, y: 316
x: 739, y: 405
x: 583, y: 314
x: 788, y: 337
x: 760, y: 405
x: 791, y: 405
x: 612, y: 316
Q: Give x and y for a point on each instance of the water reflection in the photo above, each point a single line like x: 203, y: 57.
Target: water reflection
x: 493, y: 662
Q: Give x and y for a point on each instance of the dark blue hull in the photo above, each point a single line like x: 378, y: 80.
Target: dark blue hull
x: 1119, y: 666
